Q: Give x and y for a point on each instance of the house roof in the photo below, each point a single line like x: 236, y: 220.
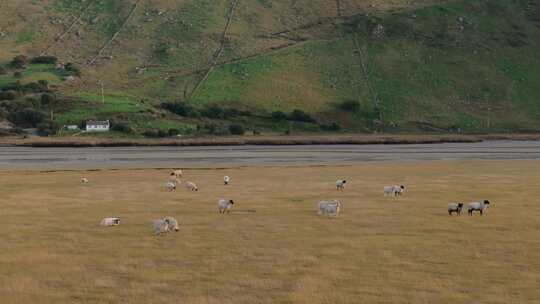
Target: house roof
x: 97, y: 123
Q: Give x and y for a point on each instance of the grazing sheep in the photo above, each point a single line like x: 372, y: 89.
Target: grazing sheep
x: 191, y: 186
x: 329, y: 207
x: 172, y: 223
x: 455, y: 207
x: 160, y: 226
x: 110, y: 221
x: 226, y: 180
x: 170, y: 186
x: 84, y: 180
x: 478, y: 206
x: 177, y: 173
x: 173, y: 178
x: 393, y: 190
x: 225, y: 205
x: 340, y: 184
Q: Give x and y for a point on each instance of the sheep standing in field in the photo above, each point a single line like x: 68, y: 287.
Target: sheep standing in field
x: 177, y: 173
x: 170, y: 186
x: 329, y: 207
x: 455, y: 207
x: 226, y: 180
x: 84, y: 180
x: 172, y: 223
x: 164, y: 225
x: 191, y: 186
x: 393, y: 190
x: 478, y: 206
x: 225, y: 205
x: 340, y: 184
x: 110, y: 221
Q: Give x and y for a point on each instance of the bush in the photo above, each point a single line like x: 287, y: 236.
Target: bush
x: 47, y: 99
x: 73, y: 69
x: 279, y: 115
x: 213, y: 111
x: 44, y: 59
x: 350, y: 106
x: 19, y: 61
x: 48, y: 128
x: 3, y: 70
x: 8, y: 95
x: 236, y: 130
x: 17, y: 74
x: 27, y: 118
x: 155, y: 133
x: 299, y: 115
x: 121, y: 127
x: 331, y: 127
x: 174, y: 132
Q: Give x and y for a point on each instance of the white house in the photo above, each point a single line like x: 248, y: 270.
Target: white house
x: 97, y: 126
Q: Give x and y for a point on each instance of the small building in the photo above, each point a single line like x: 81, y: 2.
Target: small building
x: 97, y: 126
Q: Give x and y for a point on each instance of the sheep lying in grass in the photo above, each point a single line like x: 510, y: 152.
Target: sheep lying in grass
x: 110, y: 221
x: 191, y: 186
x: 478, y: 206
x: 393, y: 190
x: 225, y: 205
x: 340, y: 184
x: 164, y: 225
x: 84, y: 180
x: 329, y: 207
x: 455, y: 207
x: 177, y: 173
x: 226, y: 180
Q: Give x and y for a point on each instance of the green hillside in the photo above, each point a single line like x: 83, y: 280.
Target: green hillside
x: 311, y: 65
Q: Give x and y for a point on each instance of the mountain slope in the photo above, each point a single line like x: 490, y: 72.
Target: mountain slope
x: 386, y: 65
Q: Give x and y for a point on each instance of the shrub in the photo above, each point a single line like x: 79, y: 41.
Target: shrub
x: 350, y: 106
x: 299, y: 115
x: 73, y: 69
x: 26, y: 118
x: 47, y: 99
x: 150, y: 133
x: 8, y: 95
x: 177, y: 108
x: 44, y: 59
x: 17, y: 74
x: 278, y: 115
x: 236, y: 129
x: 213, y: 111
x: 48, y: 128
x: 174, y: 132
x: 121, y: 126
x: 19, y: 61
x: 3, y: 70
x: 331, y: 127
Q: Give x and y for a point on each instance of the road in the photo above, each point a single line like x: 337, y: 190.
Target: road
x: 185, y: 157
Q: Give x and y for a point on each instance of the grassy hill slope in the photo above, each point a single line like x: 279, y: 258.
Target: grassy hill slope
x: 448, y: 66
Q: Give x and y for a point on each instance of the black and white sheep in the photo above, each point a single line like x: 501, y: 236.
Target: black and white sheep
x: 455, y: 207
x: 225, y: 205
x: 226, y: 180
x: 84, y: 180
x: 340, y: 184
x: 164, y: 225
x: 393, y: 190
x: 110, y: 221
x: 478, y: 206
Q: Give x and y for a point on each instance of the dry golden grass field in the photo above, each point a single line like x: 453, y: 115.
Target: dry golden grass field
x: 379, y: 250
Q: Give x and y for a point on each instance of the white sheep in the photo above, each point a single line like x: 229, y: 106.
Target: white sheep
x: 170, y: 186
x: 84, y: 180
x: 172, y: 223
x: 329, y: 207
x: 340, y: 184
x: 160, y: 226
x: 226, y: 180
x: 393, y: 190
x: 177, y: 173
x: 455, y: 207
x: 191, y: 186
x: 225, y: 205
x: 478, y: 206
x: 110, y: 221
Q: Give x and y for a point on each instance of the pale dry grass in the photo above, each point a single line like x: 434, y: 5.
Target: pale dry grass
x: 379, y: 250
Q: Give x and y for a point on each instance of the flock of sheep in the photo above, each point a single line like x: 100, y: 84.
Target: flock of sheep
x: 326, y: 207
